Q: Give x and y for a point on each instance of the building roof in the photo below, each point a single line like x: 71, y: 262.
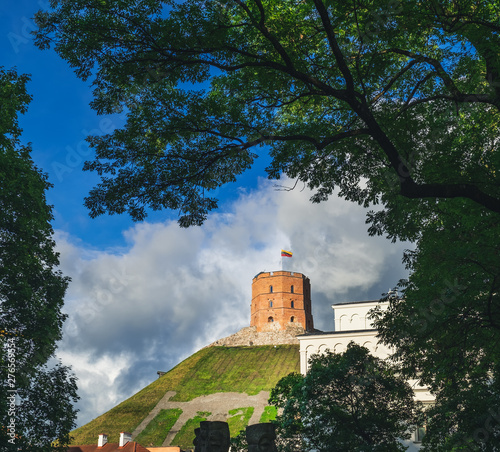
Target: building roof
x: 131, y: 446
x: 281, y: 273
x: 165, y: 449
x: 326, y: 333
x: 356, y: 302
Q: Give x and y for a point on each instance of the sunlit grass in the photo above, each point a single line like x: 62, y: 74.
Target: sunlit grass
x: 269, y: 414
x: 186, y: 435
x: 211, y: 370
x: 157, y: 430
x: 239, y: 419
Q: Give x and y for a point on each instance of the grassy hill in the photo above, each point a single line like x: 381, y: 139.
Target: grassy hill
x: 209, y: 371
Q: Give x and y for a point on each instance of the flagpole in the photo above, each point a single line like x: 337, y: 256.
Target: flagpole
x: 284, y: 254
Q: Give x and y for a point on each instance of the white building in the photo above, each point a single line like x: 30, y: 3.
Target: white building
x: 352, y: 323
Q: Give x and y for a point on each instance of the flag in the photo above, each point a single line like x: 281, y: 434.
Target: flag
x: 286, y: 253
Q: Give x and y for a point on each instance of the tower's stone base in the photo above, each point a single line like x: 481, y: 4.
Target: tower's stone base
x: 273, y: 336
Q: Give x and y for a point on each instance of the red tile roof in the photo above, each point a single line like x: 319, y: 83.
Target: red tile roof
x: 131, y: 446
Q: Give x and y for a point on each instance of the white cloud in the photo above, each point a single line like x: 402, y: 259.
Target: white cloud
x: 176, y: 290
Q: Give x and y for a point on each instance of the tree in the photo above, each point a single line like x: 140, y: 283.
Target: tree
x: 446, y: 327
x: 394, y: 103
x: 343, y: 93
x: 349, y: 401
x: 35, y: 402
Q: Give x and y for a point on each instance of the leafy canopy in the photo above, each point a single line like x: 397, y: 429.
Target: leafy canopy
x: 372, y: 97
x: 446, y: 328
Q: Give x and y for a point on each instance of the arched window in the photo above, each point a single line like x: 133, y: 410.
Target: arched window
x: 292, y: 319
x: 291, y: 289
x: 270, y: 289
x: 270, y: 320
x: 270, y: 303
x: 292, y: 304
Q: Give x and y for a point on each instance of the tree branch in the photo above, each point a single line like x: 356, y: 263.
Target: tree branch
x: 456, y: 94
x: 411, y: 189
x: 265, y: 31
x: 447, y: 80
x: 332, y: 40
x: 408, y: 187
x: 318, y: 144
x: 394, y: 79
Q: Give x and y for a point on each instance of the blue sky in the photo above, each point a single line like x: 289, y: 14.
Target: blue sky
x: 56, y: 123
x: 145, y: 296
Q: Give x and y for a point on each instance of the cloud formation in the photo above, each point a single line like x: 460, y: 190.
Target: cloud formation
x: 171, y: 291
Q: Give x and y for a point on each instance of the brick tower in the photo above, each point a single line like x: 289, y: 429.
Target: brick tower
x: 281, y: 298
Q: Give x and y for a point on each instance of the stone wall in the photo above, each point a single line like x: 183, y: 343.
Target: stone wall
x: 249, y: 336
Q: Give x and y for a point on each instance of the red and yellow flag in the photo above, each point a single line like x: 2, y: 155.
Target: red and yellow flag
x: 286, y: 253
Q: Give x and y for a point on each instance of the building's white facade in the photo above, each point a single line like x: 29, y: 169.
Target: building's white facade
x: 353, y: 324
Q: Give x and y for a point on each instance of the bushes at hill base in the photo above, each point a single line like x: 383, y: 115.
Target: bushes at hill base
x: 347, y: 401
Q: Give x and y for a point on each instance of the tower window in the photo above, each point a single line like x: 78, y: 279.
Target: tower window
x: 292, y: 319
x: 291, y: 289
x: 270, y: 320
x: 292, y: 304
x: 270, y: 289
x: 270, y: 303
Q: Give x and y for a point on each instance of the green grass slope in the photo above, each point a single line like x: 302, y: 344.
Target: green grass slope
x: 210, y: 370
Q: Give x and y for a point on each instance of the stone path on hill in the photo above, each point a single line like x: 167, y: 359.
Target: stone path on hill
x: 218, y: 404
x: 153, y: 413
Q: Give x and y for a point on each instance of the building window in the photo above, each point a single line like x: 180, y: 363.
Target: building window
x: 292, y: 304
x: 270, y: 320
x: 291, y: 289
x: 270, y: 303
x: 292, y: 319
x: 419, y: 434
x: 270, y: 289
